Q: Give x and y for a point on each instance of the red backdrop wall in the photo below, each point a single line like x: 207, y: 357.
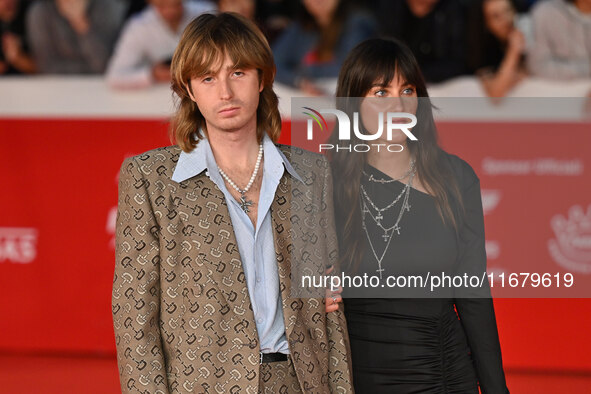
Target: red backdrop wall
x: 57, y: 207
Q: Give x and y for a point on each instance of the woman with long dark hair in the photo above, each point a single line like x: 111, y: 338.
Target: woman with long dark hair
x: 416, y: 211
x: 497, y: 47
x: 314, y: 46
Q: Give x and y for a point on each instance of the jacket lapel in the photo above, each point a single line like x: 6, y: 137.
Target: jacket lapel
x: 217, y: 248
x: 282, y: 234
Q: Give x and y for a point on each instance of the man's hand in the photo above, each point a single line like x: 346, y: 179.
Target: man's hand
x: 161, y: 72
x: 75, y: 13
x: 332, y: 297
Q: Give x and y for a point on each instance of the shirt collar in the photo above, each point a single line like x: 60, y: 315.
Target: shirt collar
x: 201, y: 158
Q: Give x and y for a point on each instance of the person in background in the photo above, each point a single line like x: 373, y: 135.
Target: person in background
x: 14, y: 50
x: 246, y: 8
x: 562, y: 39
x: 143, y: 53
x: 135, y: 7
x: 523, y: 5
x: 271, y: 16
x: 314, y: 47
x: 274, y: 16
x: 73, y: 36
x: 497, y: 46
x: 435, y: 31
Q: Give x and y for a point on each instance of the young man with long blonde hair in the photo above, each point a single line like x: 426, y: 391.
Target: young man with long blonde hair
x: 209, y: 230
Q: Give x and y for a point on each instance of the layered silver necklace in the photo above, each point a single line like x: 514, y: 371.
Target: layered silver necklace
x: 369, y: 208
x: 244, y: 203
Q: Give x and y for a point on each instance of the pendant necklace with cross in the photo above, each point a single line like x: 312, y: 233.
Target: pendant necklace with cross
x: 244, y: 203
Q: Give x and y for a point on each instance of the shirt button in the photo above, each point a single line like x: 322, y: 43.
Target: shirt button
x: 258, y: 280
x: 260, y: 320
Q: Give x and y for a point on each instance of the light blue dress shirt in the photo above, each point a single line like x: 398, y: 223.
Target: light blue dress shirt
x: 256, y: 244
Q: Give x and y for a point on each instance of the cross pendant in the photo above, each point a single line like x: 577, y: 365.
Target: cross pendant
x: 379, y: 218
x: 385, y: 236
x: 379, y: 271
x: 397, y: 229
x: 244, y: 204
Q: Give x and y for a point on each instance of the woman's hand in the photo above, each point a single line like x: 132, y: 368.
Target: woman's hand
x: 15, y: 56
x: 332, y: 297
x: 11, y: 46
x: 516, y: 42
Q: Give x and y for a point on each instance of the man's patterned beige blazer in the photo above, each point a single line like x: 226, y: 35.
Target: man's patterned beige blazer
x: 181, y: 310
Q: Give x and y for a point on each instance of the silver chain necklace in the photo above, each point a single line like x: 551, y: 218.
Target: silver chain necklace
x: 244, y: 203
x: 378, y: 217
x: 383, y: 180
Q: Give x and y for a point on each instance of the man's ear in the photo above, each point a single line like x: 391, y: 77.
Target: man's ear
x: 261, y: 82
x: 190, y: 91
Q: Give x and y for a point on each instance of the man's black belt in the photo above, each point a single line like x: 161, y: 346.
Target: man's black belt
x: 273, y: 357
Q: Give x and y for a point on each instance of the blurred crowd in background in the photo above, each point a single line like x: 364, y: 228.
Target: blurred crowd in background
x: 131, y: 42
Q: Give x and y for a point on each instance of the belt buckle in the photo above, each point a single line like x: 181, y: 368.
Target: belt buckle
x: 261, y: 357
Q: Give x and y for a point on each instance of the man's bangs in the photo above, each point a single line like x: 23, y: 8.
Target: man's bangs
x: 242, y: 59
x: 205, y: 57
x: 208, y: 57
